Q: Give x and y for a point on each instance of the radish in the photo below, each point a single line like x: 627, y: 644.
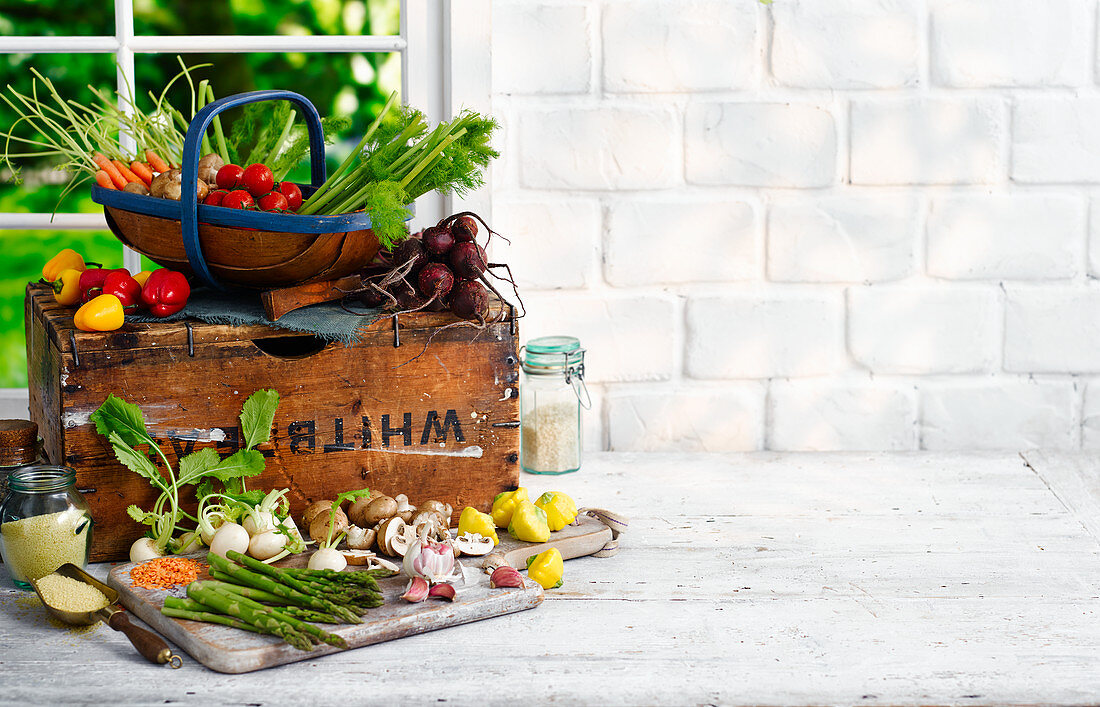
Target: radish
x: 230, y: 536
x: 258, y: 521
x: 464, y: 229
x: 144, y: 549
x: 468, y: 260
x: 438, y: 240
x: 435, y: 280
x: 266, y: 544
x: 470, y: 300
x: 327, y: 559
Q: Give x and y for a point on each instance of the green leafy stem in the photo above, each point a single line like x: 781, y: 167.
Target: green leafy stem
x: 123, y: 425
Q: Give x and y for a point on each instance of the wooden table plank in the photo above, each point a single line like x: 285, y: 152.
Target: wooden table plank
x: 744, y: 579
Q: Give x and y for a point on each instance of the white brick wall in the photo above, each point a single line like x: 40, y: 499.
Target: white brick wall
x: 841, y: 224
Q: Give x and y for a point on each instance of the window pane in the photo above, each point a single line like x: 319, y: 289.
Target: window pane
x: 353, y: 85
x: 42, y: 181
x: 25, y: 252
x: 261, y: 17
x: 62, y: 18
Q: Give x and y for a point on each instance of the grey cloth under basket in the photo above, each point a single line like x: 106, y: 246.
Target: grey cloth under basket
x: 328, y: 321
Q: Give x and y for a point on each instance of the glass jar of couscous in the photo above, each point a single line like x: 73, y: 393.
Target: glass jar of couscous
x: 44, y: 523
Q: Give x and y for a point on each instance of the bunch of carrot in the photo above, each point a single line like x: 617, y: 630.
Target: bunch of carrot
x: 115, y: 174
x: 87, y: 136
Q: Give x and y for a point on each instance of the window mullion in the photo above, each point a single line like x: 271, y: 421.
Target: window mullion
x: 127, y: 89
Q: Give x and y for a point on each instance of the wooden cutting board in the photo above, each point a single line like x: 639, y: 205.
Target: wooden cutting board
x: 229, y: 650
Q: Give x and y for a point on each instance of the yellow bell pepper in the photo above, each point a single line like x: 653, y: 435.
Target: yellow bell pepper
x: 142, y: 276
x: 474, y: 521
x: 529, y: 523
x: 67, y: 259
x: 546, y: 568
x: 104, y: 313
x: 66, y: 288
x: 505, y: 503
x: 560, y: 509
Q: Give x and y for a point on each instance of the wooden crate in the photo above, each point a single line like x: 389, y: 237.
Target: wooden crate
x: 443, y: 426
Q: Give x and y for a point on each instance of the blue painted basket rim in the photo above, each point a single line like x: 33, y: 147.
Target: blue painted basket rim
x: 221, y: 216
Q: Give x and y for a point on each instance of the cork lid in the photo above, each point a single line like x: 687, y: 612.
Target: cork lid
x: 18, y: 442
x: 18, y: 433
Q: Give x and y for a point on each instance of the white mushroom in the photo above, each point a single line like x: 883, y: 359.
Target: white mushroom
x: 368, y: 512
x: 404, y: 509
x: 209, y: 165
x: 474, y: 544
x: 313, y: 509
x: 318, y: 529
x: 136, y: 188
x: 434, y: 522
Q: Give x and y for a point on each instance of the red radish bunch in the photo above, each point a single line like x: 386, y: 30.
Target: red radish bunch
x: 257, y: 182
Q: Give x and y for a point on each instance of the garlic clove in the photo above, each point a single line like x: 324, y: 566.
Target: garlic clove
x: 506, y: 576
x: 442, y: 591
x: 417, y: 590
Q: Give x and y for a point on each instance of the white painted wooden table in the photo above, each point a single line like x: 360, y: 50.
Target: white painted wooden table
x: 760, y: 578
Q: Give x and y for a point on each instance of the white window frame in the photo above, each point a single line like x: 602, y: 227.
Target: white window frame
x: 445, y: 66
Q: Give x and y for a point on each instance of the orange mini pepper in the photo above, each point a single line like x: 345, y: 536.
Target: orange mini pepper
x: 142, y: 276
x: 67, y: 259
x: 104, y: 313
x: 66, y: 288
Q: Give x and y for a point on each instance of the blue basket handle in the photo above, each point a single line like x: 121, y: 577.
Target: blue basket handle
x: 189, y: 202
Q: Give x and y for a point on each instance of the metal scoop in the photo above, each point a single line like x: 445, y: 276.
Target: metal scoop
x: 149, y: 644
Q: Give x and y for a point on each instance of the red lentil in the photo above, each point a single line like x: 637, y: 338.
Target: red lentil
x: 164, y: 572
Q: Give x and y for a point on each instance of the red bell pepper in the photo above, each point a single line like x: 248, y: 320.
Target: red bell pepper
x: 91, y: 282
x: 165, y: 292
x: 122, y: 285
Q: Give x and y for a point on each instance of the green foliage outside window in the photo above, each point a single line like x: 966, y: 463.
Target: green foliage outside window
x: 352, y: 84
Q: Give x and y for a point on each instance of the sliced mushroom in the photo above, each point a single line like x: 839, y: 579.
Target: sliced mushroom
x: 358, y: 558
x: 404, y: 509
x: 474, y: 544
x: 360, y: 538
x: 379, y: 563
x: 391, y: 537
x: 369, y: 512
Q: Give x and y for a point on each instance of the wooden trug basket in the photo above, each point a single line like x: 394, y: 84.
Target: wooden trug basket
x: 230, y: 247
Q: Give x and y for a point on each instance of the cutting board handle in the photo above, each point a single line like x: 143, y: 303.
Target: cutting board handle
x: 149, y: 644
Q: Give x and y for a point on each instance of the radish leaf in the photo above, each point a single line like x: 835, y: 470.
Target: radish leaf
x: 257, y: 416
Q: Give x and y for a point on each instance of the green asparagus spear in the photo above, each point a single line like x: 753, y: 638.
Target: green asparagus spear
x: 225, y: 581
x: 329, y: 638
x: 234, y: 606
x: 208, y: 617
x: 241, y: 575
